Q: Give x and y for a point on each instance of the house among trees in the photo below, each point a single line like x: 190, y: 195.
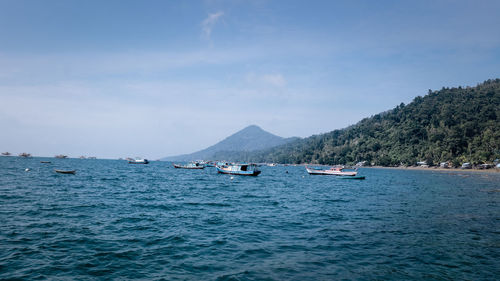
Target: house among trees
x: 444, y: 165
x: 466, y: 165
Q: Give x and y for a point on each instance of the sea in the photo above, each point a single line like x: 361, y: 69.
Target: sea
x: 118, y: 221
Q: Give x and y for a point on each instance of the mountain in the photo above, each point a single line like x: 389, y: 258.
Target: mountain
x: 452, y: 124
x: 249, y: 139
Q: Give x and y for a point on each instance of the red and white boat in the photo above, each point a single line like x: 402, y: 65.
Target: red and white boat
x: 333, y: 171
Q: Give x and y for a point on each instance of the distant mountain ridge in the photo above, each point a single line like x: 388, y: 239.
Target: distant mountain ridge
x: 251, y: 138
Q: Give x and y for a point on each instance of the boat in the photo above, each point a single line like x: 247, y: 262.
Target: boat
x: 192, y: 165
x: 210, y: 164
x: 333, y: 171
x: 25, y: 155
x: 6, y: 153
x: 66, y: 171
x: 45, y: 162
x: 61, y: 156
x: 238, y: 169
x: 138, y: 161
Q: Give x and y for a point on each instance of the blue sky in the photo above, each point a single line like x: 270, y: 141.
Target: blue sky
x: 157, y: 78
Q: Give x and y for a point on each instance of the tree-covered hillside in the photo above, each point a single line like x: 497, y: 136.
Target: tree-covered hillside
x: 452, y: 124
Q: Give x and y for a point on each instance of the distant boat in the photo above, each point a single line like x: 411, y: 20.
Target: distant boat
x: 66, y: 171
x: 210, y: 164
x: 139, y: 161
x: 6, y: 154
x: 239, y: 169
x: 333, y: 171
x: 192, y: 165
x: 60, y: 156
x: 24, y: 154
x: 45, y: 162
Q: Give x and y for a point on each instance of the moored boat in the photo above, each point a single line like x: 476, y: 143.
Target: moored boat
x: 192, y: 165
x: 66, y: 171
x: 138, y: 161
x: 239, y: 169
x: 333, y: 171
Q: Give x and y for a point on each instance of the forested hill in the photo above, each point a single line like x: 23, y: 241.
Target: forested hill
x: 452, y: 124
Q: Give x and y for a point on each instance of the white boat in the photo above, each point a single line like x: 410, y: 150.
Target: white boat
x: 138, y: 161
x: 239, y: 169
x: 333, y: 171
x: 192, y: 165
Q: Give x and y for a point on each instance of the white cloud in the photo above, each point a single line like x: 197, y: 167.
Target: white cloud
x: 274, y: 79
x: 270, y: 79
x: 208, y: 24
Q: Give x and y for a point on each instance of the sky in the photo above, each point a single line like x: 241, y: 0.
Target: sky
x: 151, y: 79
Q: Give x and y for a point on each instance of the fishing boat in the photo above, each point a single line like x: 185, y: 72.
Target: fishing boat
x: 61, y: 156
x: 333, y: 171
x: 210, y: 164
x: 138, y: 161
x: 25, y: 155
x: 192, y: 165
x: 6, y: 153
x: 239, y: 169
x: 45, y: 162
x: 66, y: 171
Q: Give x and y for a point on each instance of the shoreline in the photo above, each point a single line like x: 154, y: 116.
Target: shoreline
x: 438, y: 169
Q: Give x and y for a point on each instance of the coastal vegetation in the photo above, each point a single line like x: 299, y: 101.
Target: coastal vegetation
x: 452, y: 125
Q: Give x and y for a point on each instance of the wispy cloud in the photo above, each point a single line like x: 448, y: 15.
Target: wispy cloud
x: 209, y: 23
x: 273, y: 79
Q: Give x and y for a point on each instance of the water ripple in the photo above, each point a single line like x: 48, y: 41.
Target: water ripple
x: 117, y: 221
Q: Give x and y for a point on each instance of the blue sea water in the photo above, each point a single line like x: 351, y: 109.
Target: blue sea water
x: 116, y: 221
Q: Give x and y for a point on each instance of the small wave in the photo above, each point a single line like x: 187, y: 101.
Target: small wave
x: 255, y: 253
x: 211, y: 204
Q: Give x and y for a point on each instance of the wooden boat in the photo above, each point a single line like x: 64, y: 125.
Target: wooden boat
x: 139, y: 161
x: 66, y: 171
x: 239, y: 169
x: 193, y: 165
x: 210, y: 164
x: 333, y: 171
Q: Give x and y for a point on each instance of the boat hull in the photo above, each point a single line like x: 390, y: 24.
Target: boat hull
x: 239, y: 173
x: 331, y: 172
x: 72, y: 172
x: 189, y: 167
x: 138, y: 162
